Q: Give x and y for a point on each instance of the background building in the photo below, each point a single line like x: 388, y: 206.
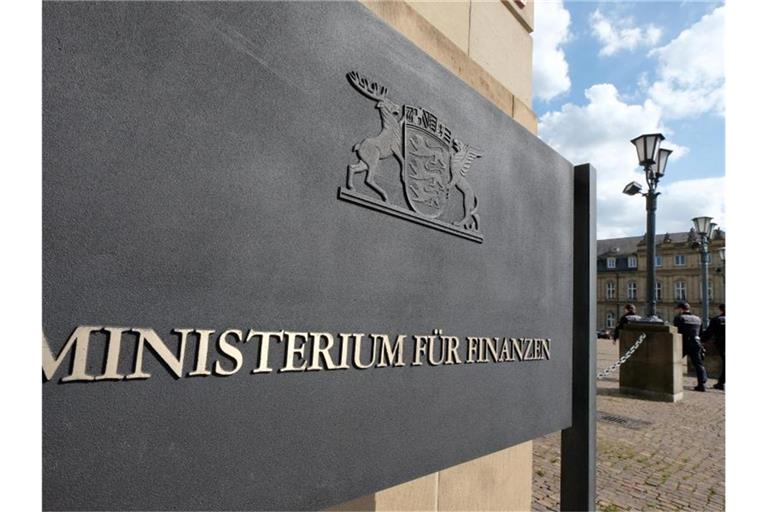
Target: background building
x: 621, y: 268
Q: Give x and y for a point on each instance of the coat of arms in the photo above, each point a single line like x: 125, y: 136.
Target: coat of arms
x: 433, y: 166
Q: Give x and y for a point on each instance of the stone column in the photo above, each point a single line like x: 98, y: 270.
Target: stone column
x: 500, y: 481
x: 655, y: 370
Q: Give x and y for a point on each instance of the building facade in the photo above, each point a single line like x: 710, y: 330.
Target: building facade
x: 621, y: 275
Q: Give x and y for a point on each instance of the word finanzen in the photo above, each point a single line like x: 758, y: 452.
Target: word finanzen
x: 98, y: 353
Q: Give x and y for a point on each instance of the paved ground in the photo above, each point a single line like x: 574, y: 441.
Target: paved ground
x: 665, y: 457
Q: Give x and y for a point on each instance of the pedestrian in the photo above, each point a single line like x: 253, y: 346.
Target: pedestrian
x: 716, y: 330
x: 689, y: 326
x: 629, y: 316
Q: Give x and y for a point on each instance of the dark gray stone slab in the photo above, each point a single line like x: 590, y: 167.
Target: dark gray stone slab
x: 192, y: 160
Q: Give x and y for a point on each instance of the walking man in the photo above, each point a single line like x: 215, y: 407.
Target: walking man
x: 716, y: 330
x: 689, y: 325
x: 629, y: 316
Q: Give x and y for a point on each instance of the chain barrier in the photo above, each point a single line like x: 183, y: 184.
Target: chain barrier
x: 623, y: 359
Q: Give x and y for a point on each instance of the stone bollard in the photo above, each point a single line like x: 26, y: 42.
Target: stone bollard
x: 655, y: 370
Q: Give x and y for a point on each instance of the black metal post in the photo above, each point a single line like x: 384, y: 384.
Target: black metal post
x: 704, y: 251
x: 577, y: 471
x: 650, y: 247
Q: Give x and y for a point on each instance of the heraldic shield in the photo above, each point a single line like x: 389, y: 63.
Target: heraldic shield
x: 433, y: 167
x: 426, y: 170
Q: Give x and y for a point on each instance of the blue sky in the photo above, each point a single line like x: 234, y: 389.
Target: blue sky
x: 605, y: 72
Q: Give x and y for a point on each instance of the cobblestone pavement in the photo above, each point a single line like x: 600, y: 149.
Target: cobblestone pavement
x: 665, y: 457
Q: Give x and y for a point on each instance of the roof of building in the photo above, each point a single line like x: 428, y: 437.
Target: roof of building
x: 618, y: 246
x: 628, y: 245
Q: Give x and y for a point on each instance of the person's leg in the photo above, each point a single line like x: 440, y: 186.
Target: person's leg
x: 721, y: 379
x: 698, y: 364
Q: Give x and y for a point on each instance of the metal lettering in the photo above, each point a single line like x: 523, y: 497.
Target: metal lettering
x: 358, y: 345
x: 473, y: 349
x: 381, y: 351
x: 420, y: 349
x: 528, y: 346
x: 432, y: 339
x: 230, y: 351
x: 492, y: 347
x: 292, y: 351
x: 324, y: 351
x: 113, y: 354
x: 264, y: 349
x: 452, y: 350
x: 164, y: 354
x: 203, y: 337
x: 344, y: 355
x: 483, y: 351
x: 505, y: 354
x: 79, y: 339
x: 388, y: 352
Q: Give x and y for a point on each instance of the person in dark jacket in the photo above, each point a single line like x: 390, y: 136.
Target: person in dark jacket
x: 716, y: 330
x: 628, y: 316
x: 689, y: 325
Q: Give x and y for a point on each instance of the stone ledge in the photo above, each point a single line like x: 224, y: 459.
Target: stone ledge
x: 655, y: 327
x: 406, y: 20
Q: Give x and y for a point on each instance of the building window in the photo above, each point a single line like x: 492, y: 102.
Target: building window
x: 611, y: 263
x: 709, y: 257
x: 679, y: 260
x: 631, y: 290
x: 632, y: 262
x: 610, y: 290
x: 658, y: 291
x: 680, y: 290
x: 710, y: 291
x: 610, y: 320
x: 658, y: 261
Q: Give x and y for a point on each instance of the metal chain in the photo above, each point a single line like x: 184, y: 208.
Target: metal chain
x: 623, y: 359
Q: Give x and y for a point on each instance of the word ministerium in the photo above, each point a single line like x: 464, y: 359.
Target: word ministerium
x: 301, y: 351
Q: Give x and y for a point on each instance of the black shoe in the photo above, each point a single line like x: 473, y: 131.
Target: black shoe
x: 700, y: 387
x: 719, y: 386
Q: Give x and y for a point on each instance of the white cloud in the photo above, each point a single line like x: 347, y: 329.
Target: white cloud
x: 685, y: 199
x: 618, y: 34
x: 599, y: 133
x: 691, y: 74
x: 550, y: 68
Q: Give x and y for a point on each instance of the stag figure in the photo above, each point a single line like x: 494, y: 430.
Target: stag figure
x: 386, y: 144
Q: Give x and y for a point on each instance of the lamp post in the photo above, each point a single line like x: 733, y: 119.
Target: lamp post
x: 704, y: 228
x: 653, y: 159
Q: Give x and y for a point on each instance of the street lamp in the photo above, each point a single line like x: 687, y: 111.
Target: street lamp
x: 704, y: 227
x: 653, y: 159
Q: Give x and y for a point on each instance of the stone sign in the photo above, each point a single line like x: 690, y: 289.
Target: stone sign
x: 288, y: 260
